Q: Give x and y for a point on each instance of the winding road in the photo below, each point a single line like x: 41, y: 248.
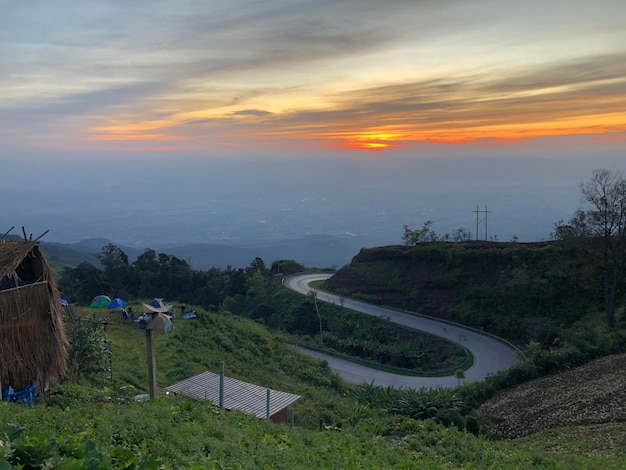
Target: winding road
x: 490, y: 354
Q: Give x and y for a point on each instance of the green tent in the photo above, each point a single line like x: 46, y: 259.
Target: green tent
x: 100, y: 301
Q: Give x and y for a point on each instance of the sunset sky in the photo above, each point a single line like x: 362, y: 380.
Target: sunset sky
x: 204, y: 77
x: 153, y: 121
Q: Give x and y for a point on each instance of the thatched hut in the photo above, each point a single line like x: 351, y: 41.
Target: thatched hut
x: 33, y: 342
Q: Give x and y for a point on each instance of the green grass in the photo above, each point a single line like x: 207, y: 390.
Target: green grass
x: 249, y: 351
x: 186, y: 434
x: 606, y: 440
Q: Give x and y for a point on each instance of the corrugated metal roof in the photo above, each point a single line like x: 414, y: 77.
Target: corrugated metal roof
x: 238, y: 395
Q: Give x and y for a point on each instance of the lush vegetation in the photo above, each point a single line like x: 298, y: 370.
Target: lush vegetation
x: 97, y: 424
x: 166, y: 276
x: 256, y: 292
x: 337, y: 330
x: 525, y: 292
x: 180, y: 434
x: 562, y: 301
x: 544, y: 296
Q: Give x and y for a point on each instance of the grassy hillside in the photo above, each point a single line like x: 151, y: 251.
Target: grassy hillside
x: 249, y: 351
x: 523, y: 292
x: 80, y: 424
x: 542, y: 295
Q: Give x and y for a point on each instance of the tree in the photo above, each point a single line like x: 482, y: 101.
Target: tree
x: 83, y: 283
x: 257, y: 266
x: 606, y: 220
x: 112, y: 256
x: 147, y: 261
x: 461, y: 235
x: 117, y: 271
x: 424, y: 234
x: 577, y: 227
x: 286, y: 267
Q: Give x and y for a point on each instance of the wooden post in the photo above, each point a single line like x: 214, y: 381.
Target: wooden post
x: 152, y: 385
x: 291, y: 417
x: 221, y: 400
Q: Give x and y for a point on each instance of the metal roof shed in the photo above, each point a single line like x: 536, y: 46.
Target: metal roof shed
x: 237, y: 395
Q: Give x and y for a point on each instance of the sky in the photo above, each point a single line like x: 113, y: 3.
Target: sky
x: 288, y: 75
x: 116, y: 86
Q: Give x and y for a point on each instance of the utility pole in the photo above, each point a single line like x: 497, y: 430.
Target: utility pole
x: 314, y: 294
x: 480, y: 220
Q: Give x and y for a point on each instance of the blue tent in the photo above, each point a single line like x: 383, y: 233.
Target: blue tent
x: 116, y: 303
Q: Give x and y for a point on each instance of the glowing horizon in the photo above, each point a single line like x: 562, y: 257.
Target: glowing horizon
x: 353, y: 75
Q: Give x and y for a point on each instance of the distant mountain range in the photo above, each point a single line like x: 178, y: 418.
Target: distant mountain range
x: 321, y: 251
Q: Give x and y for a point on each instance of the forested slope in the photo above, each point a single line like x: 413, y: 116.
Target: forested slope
x: 522, y: 291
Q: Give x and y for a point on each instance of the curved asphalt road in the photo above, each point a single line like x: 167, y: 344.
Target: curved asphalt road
x: 490, y: 355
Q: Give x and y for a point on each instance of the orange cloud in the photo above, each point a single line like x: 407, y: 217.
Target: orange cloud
x: 556, y: 100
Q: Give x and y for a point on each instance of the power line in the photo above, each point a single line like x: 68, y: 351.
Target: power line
x: 482, y: 220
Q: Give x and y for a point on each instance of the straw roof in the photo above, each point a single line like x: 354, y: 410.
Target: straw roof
x: 12, y: 256
x: 33, y: 342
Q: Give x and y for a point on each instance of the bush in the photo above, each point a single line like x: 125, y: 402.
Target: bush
x: 89, y: 351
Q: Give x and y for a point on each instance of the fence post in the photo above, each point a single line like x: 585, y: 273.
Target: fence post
x: 221, y: 400
x: 152, y: 385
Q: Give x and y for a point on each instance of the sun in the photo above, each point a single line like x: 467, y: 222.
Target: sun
x: 374, y: 141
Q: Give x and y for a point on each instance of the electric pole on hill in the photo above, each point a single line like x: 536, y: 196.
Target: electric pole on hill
x: 480, y: 220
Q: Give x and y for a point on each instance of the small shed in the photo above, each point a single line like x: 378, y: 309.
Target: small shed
x: 238, y: 395
x: 33, y: 341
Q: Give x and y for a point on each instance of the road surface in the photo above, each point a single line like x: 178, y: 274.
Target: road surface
x: 490, y: 354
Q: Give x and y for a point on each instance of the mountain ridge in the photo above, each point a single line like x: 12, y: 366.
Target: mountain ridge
x: 309, y: 250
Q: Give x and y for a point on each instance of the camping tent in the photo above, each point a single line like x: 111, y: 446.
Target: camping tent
x: 156, y: 306
x: 100, y: 301
x: 161, y: 324
x: 116, y: 303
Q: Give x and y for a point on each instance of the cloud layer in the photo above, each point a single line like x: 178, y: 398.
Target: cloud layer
x: 312, y: 74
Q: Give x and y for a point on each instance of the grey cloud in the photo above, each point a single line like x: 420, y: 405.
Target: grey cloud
x: 83, y: 103
x: 582, y: 71
x: 251, y: 112
x: 207, y: 37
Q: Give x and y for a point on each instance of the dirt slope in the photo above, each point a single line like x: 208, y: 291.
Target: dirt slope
x: 591, y: 394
